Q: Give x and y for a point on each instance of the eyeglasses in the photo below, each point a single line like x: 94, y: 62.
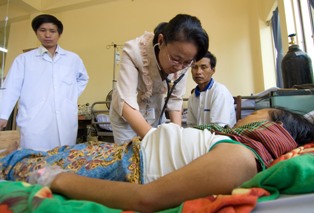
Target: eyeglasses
x: 175, y: 62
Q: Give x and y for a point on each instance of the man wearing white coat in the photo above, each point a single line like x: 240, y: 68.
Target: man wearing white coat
x: 47, y: 82
x: 211, y: 101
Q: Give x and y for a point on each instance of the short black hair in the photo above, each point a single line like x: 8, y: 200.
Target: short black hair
x: 184, y: 27
x: 46, y: 18
x: 212, y: 58
x: 301, y: 129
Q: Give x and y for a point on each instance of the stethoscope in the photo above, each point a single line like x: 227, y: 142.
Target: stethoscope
x: 171, y: 84
x: 170, y: 87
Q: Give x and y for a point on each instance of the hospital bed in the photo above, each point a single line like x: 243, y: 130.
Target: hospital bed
x: 297, y: 100
x: 295, y: 202
x: 244, y: 105
x: 18, y: 195
x: 100, y: 120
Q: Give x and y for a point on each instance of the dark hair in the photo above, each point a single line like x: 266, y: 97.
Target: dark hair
x: 301, y: 129
x: 184, y: 27
x: 46, y: 18
x: 212, y: 58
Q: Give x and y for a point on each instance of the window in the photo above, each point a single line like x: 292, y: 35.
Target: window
x: 299, y: 19
x: 311, y: 7
x: 303, y: 22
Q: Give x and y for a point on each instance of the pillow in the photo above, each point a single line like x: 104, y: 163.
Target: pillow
x: 104, y: 118
x: 310, y: 116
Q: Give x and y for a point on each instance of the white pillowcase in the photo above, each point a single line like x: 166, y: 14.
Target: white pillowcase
x: 104, y: 118
x: 310, y: 116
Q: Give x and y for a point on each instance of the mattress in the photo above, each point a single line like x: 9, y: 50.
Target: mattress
x: 303, y: 203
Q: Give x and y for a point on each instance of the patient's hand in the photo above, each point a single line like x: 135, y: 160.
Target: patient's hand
x: 46, y: 175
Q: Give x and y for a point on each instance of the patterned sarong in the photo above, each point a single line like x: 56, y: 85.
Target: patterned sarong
x: 269, y: 139
x: 92, y: 159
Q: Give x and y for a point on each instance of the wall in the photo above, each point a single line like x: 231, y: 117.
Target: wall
x: 262, y: 47
x: 234, y: 29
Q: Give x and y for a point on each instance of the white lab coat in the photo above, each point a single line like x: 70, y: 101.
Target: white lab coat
x: 47, y: 90
x: 215, y: 105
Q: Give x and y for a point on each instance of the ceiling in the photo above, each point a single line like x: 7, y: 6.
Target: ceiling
x: 19, y: 9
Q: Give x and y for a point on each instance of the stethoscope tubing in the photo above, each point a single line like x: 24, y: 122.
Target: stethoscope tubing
x: 169, y: 92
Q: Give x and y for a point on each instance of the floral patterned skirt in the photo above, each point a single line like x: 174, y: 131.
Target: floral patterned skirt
x: 92, y: 159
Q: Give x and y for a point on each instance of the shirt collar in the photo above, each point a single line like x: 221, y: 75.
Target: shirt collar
x: 43, y: 50
x: 209, y: 86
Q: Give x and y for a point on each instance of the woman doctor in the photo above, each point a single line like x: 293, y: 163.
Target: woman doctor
x: 152, y: 65
x: 47, y: 81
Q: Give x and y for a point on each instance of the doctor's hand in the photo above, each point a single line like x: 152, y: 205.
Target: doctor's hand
x: 3, y: 123
x: 175, y: 117
x: 136, y: 120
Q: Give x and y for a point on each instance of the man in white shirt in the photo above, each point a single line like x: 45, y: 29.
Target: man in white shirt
x: 210, y: 102
x: 47, y: 82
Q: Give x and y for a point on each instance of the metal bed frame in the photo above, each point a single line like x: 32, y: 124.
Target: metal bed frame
x: 101, y: 107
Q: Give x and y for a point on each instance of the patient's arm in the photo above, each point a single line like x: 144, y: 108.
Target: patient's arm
x: 136, y: 120
x: 218, y: 172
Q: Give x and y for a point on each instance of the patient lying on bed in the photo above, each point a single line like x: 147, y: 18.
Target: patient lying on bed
x: 168, y: 162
